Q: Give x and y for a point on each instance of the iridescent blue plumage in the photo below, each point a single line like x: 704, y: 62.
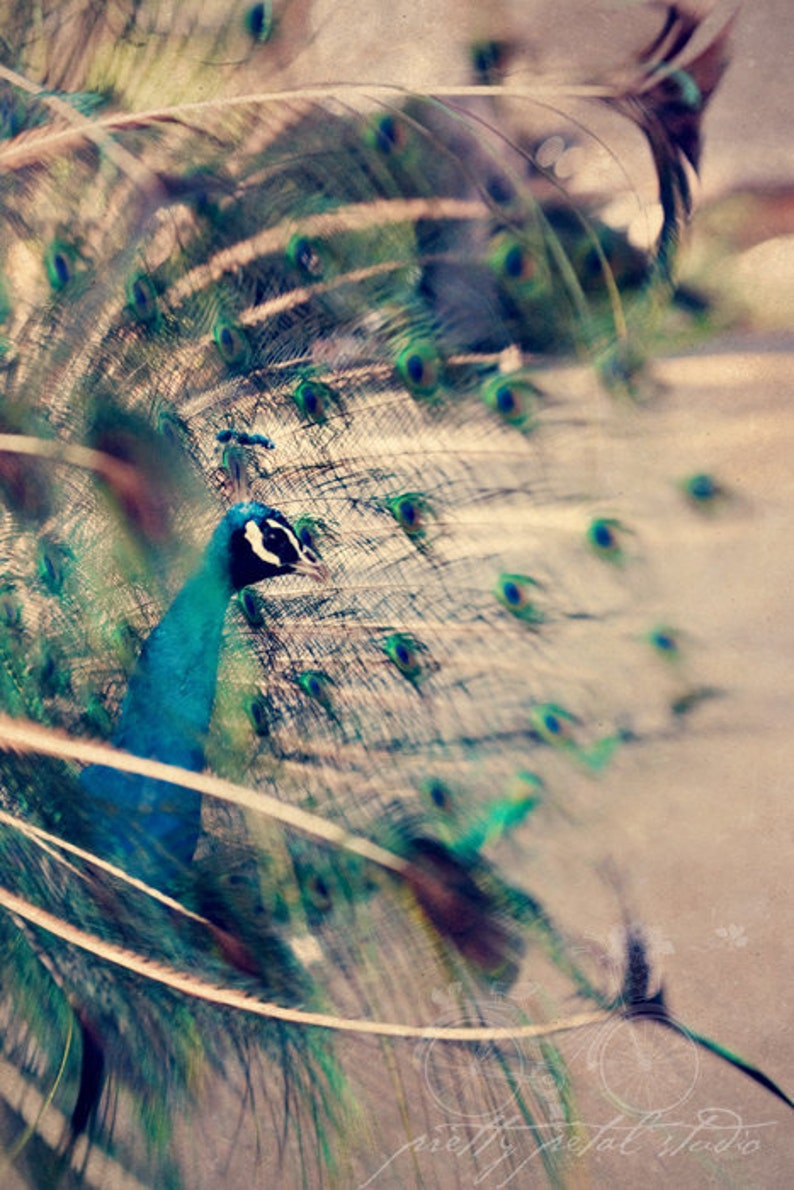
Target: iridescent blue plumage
x: 150, y: 827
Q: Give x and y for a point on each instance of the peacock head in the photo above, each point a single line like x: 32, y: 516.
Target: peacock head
x: 262, y: 543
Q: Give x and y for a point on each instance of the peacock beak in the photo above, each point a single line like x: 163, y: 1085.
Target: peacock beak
x: 309, y: 563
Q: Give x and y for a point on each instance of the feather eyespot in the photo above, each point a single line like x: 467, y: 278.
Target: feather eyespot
x: 408, y: 655
x: 317, y: 686
x: 388, y: 135
x: 318, y: 892
x: 142, y: 300
x: 552, y: 724
x: 251, y: 607
x: 513, y: 398
x: 259, y: 716
x: 666, y: 642
x: 313, y: 399
x: 60, y: 263
x: 516, y: 593
x: 308, y: 256
x: 515, y: 264
x: 231, y: 344
x: 488, y: 61
x: 703, y: 491
x: 438, y: 793
x: 605, y: 536
x: 410, y: 510
x: 419, y: 368
x: 259, y: 22
x: 308, y: 531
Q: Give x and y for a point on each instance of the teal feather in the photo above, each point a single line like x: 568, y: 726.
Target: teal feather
x: 382, y: 313
x: 149, y: 827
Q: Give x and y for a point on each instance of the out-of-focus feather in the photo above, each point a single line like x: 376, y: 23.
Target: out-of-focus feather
x: 670, y: 111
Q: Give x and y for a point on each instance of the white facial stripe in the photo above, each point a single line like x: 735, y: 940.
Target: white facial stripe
x: 253, y: 535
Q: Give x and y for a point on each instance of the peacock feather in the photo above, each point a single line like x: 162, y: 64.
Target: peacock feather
x: 333, y: 583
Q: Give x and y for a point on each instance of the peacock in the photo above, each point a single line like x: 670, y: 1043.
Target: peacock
x: 334, y: 597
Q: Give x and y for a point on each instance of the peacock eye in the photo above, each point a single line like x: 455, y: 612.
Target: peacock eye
x: 403, y: 655
x: 506, y: 400
x: 251, y: 607
x: 488, y: 61
x: 258, y: 715
x: 605, y: 537
x: 514, y: 263
x: 409, y: 511
x: 419, y: 368
x: 317, y: 686
x: 388, y: 135
x: 171, y: 428
x: 308, y: 256
x: 512, y: 397
x: 665, y: 641
x: 516, y: 593
x: 61, y: 270
x: 406, y: 654
x: 312, y: 399
x: 259, y: 22
x: 142, y: 300
x: 306, y: 529
x: 552, y: 723
x: 438, y: 793
x: 231, y: 343
x: 318, y: 892
x: 59, y: 263
x: 702, y: 489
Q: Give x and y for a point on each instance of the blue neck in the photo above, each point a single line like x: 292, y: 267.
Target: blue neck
x: 151, y: 828
x: 169, y: 700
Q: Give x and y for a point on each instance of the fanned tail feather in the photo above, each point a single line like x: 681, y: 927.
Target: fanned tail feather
x: 377, y: 311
